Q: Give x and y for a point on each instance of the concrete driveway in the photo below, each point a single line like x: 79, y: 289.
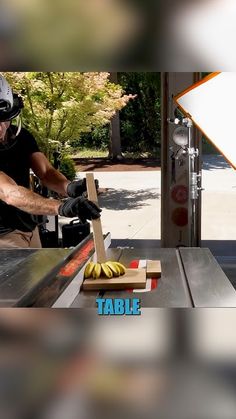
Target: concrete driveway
x: 131, y: 202
x: 218, y: 199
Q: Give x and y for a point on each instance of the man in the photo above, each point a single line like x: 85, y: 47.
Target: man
x: 18, y: 204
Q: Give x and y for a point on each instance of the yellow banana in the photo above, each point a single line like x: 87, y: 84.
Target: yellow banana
x: 88, y: 270
x: 113, y: 267
x: 97, y: 270
x: 106, y: 271
x: 121, y: 267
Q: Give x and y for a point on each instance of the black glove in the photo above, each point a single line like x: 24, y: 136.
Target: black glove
x: 78, y: 187
x: 79, y: 207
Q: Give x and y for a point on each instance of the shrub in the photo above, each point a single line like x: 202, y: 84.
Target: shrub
x: 98, y: 138
x: 67, y: 167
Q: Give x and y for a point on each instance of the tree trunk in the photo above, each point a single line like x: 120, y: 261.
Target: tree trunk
x: 115, y: 143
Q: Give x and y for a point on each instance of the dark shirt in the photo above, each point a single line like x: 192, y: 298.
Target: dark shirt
x: 15, y: 162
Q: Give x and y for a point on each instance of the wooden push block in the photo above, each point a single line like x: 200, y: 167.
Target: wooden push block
x: 133, y: 278
x: 153, y: 269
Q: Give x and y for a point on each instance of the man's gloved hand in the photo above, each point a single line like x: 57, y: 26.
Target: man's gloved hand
x: 78, y: 187
x: 79, y: 207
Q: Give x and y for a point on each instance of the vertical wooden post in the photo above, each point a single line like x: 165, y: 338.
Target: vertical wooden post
x: 97, y: 225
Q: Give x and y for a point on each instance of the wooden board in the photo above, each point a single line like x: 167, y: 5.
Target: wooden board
x: 153, y: 269
x: 133, y: 278
x: 97, y: 225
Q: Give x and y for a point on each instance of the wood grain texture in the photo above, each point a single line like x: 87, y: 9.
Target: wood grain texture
x: 153, y: 269
x: 97, y: 225
x: 133, y: 278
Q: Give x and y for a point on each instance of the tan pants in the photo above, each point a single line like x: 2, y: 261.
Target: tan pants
x: 21, y: 239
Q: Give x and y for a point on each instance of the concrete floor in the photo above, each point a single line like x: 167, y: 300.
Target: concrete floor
x: 219, y: 213
x: 131, y: 204
x: 218, y: 199
x: 131, y: 209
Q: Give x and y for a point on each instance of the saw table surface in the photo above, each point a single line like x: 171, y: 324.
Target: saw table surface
x: 190, y: 277
x: 24, y: 271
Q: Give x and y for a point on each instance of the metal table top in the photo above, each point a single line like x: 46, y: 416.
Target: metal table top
x: 208, y: 284
x: 37, y: 277
x: 191, y: 277
x: 23, y: 271
x: 171, y: 290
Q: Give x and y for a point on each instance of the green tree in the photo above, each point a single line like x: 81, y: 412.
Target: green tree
x: 140, y: 120
x: 59, y: 106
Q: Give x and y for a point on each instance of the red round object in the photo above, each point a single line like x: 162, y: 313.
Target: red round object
x: 179, y: 194
x: 180, y: 216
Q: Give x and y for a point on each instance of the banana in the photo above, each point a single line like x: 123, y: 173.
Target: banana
x: 113, y: 267
x: 121, y: 267
x: 89, y: 269
x: 106, y: 270
x: 97, y: 270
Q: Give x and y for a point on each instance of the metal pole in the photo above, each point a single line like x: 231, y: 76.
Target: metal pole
x: 191, y: 206
x: 193, y: 177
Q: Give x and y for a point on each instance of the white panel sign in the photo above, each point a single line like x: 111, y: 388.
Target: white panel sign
x: 211, y: 105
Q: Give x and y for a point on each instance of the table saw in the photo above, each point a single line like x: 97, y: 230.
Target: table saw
x: 191, y: 277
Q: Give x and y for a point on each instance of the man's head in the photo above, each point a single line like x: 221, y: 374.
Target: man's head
x: 10, y: 106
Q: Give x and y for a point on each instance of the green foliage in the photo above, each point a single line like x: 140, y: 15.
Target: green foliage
x: 67, y: 167
x: 141, y: 119
x: 98, y: 138
x: 61, y: 106
x: 88, y: 153
x: 76, y: 108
